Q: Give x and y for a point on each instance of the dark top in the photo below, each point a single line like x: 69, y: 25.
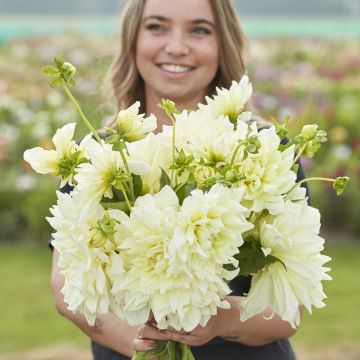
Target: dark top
x: 219, y: 348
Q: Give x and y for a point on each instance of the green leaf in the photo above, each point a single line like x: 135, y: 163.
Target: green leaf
x: 120, y: 205
x: 59, y: 60
x: 181, y: 157
x: 49, y: 70
x: 171, y: 349
x: 295, y: 168
x: 283, y: 147
x: 164, y: 179
x: 251, y: 258
x: 138, y: 185
x: 55, y: 82
x: 184, y: 191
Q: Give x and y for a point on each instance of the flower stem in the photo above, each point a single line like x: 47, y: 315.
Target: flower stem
x: 127, y: 170
x: 169, y: 114
x: 311, y: 179
x: 83, y: 117
x: 235, y: 152
x: 122, y: 189
x: 299, y: 154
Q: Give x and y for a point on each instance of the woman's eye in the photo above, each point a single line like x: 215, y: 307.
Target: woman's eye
x: 154, y: 27
x: 201, y: 31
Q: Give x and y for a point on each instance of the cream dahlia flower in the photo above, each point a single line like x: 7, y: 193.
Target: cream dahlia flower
x: 84, y: 264
x: 210, y: 226
x: 292, y: 237
x: 155, y: 152
x: 98, y: 177
x: 230, y: 102
x: 267, y: 174
x: 132, y: 126
x: 180, y: 291
x: 50, y: 161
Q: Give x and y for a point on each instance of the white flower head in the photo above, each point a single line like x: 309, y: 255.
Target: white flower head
x: 55, y: 162
x: 84, y: 260
x: 132, y: 126
x: 267, y: 174
x: 181, y: 293
x: 98, y: 177
x: 210, y: 225
x: 155, y: 152
x: 144, y: 237
x: 230, y: 102
x: 292, y: 237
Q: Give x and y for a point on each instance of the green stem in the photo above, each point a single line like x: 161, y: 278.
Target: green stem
x: 127, y: 170
x: 172, y: 176
x: 83, y: 117
x: 125, y: 196
x: 299, y: 154
x: 235, y: 152
x: 311, y: 179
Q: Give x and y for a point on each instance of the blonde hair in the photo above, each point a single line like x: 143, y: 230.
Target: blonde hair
x: 126, y: 82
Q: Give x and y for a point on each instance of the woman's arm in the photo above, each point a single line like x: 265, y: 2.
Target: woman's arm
x: 256, y: 331
x: 108, y: 331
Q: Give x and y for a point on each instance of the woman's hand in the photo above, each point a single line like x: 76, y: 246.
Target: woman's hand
x: 199, y: 336
x: 147, y: 336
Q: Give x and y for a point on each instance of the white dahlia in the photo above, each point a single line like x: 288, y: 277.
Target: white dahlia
x: 105, y: 170
x: 292, y: 237
x: 84, y: 257
x: 132, y: 126
x: 267, y: 174
x: 229, y: 102
x: 155, y: 152
x: 52, y: 161
x: 210, y: 226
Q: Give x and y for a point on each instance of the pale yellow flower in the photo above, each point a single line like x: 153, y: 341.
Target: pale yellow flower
x: 292, y: 237
x: 132, y: 126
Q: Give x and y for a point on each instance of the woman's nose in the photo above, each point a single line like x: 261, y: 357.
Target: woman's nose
x: 176, y: 45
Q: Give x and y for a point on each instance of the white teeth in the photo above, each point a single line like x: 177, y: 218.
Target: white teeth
x: 175, y: 68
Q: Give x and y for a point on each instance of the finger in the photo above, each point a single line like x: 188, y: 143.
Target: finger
x: 143, y: 344
x: 178, y: 337
x: 149, y: 331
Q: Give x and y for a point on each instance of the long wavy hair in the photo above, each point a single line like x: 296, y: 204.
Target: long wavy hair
x: 124, y: 78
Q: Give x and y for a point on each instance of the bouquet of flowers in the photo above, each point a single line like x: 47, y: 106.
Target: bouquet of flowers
x: 158, y: 224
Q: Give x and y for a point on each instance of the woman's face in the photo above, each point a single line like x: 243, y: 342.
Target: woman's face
x: 177, y: 51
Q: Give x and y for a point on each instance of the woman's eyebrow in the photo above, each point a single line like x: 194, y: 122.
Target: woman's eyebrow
x: 202, y: 21
x: 195, y: 21
x: 156, y: 17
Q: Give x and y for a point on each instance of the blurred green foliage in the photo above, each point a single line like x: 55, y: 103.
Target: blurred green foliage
x: 312, y: 80
x: 317, y: 81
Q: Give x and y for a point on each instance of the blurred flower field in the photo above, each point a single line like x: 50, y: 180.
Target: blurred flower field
x: 310, y: 80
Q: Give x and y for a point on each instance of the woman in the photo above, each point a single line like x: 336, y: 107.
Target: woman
x: 180, y: 51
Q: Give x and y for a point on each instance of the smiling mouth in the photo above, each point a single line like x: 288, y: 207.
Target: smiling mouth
x: 176, y: 69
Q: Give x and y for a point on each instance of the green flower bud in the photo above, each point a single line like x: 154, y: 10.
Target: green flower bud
x: 68, y: 68
x: 339, y: 184
x: 309, y: 131
x: 98, y: 237
x: 230, y: 175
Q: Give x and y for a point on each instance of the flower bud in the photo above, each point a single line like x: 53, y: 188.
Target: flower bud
x: 70, y: 69
x: 309, y: 131
x: 230, y: 175
x: 98, y: 238
x: 202, y: 173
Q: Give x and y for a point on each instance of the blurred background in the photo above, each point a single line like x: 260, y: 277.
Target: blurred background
x: 304, y: 62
